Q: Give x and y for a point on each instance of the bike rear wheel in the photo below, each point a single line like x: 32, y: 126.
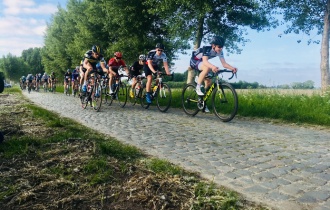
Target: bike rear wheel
x: 189, y: 100
x: 164, y: 97
x: 225, y: 102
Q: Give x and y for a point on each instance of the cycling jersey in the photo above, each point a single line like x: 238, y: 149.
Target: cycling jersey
x: 67, y: 76
x: 52, y: 77
x: 156, y: 59
x: 38, y: 77
x: 29, y: 77
x: 75, y: 75
x: 136, y: 68
x: 197, y: 55
x: 114, y: 64
x: 93, y: 61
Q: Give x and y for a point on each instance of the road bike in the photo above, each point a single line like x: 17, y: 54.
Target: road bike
x: 161, y: 93
x: 224, y: 98
x: 137, y: 91
x: 53, y: 86
x: 93, y: 95
x: 119, y: 90
x: 67, y: 86
x: 75, y: 87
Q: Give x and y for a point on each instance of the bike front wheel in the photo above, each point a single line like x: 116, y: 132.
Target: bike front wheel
x: 225, y: 102
x: 189, y: 99
x: 97, y: 97
x: 164, y: 97
x: 122, y: 95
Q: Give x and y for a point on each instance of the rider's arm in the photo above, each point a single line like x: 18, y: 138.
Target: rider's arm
x: 227, y: 66
x: 87, y: 65
x: 166, y: 68
x: 104, y: 68
x: 208, y: 64
x: 151, y: 67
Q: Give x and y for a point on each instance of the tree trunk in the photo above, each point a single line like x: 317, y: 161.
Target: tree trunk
x: 325, y: 79
x: 198, y: 41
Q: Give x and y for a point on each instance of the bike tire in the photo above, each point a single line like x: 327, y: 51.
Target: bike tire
x: 97, y: 97
x: 189, y: 100
x: 122, y: 95
x: 225, y: 102
x: 164, y: 97
x: 143, y: 92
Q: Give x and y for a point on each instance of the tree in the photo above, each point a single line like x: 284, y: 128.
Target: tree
x: 306, y: 17
x: 200, y: 20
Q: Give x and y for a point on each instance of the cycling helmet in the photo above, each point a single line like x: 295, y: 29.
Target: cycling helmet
x: 118, y: 55
x: 96, y: 49
x: 218, y: 40
x: 160, y: 46
x: 68, y: 70
x: 142, y: 57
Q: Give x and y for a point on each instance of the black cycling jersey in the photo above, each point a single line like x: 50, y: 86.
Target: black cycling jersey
x: 136, y: 68
x: 93, y: 61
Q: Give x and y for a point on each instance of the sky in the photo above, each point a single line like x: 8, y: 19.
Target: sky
x: 269, y: 59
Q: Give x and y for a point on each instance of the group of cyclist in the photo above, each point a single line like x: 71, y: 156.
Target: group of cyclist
x: 34, y: 82
x: 94, y: 60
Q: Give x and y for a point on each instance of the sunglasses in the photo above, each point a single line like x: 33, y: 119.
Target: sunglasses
x: 96, y: 54
x: 160, y: 50
x: 118, y: 58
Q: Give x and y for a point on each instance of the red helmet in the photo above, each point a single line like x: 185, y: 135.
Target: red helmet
x: 118, y: 55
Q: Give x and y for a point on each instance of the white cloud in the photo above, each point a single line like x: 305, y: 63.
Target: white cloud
x: 19, y: 7
x: 23, y: 24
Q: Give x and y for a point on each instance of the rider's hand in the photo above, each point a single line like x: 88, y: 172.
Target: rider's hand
x: 215, y: 69
x: 235, y: 70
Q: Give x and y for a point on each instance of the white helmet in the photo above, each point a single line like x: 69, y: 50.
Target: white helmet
x: 142, y: 57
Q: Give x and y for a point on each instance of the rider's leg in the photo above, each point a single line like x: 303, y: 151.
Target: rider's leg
x: 204, y: 70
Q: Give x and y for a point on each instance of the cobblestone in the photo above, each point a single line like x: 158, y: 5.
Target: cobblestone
x: 283, y: 166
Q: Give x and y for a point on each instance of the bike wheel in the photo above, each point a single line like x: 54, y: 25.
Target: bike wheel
x: 225, y: 102
x: 164, y: 97
x: 132, y: 100
x: 97, y: 97
x: 143, y: 93
x: 122, y: 94
x: 189, y: 99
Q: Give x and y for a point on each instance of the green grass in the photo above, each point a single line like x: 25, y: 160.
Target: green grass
x: 299, y: 106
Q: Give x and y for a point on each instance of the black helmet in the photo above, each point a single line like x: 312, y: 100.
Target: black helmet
x: 160, y: 46
x: 96, y: 49
x: 218, y: 40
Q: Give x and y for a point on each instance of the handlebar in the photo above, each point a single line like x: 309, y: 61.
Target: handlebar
x: 159, y: 73
x: 222, y: 71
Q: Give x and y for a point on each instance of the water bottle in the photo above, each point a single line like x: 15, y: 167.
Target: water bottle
x: 155, y: 88
x: 196, y: 79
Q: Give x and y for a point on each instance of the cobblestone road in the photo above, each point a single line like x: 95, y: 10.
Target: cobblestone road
x: 283, y: 166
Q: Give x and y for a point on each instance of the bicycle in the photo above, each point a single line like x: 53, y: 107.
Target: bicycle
x: 161, y: 92
x: 75, y: 88
x: 53, y: 86
x: 29, y: 86
x: 137, y: 92
x: 94, y: 92
x: 67, y: 86
x: 119, y: 90
x: 224, y: 98
x: 45, y: 86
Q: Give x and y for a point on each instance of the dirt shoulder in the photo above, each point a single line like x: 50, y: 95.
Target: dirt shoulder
x: 45, y: 173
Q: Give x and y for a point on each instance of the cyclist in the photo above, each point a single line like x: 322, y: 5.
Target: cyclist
x: 38, y: 80
x: 91, y: 58
x: 51, y: 80
x: 135, y: 71
x: 29, y: 80
x: 200, y: 61
x: 153, y: 59
x: 75, y: 78
x: 23, y: 80
x: 67, y: 78
x: 45, y: 80
x: 114, y: 64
